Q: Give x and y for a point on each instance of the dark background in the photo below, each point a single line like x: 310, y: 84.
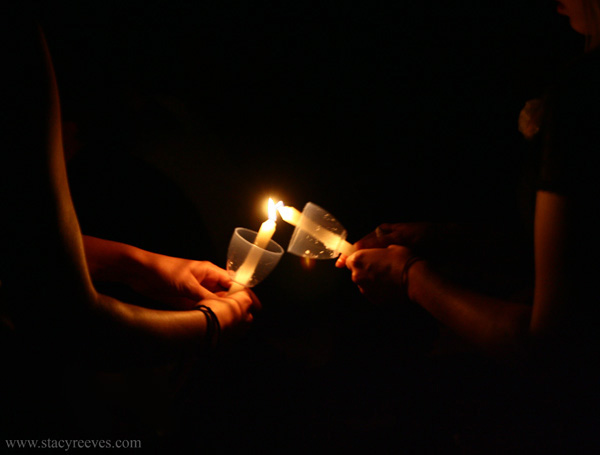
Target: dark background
x: 191, y: 114
x: 377, y: 112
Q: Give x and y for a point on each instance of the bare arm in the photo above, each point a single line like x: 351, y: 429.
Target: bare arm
x: 47, y: 289
x: 175, y: 282
x: 551, y: 285
x: 497, y: 326
x: 500, y: 327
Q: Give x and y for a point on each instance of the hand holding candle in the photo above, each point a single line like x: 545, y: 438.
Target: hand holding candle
x: 317, y: 235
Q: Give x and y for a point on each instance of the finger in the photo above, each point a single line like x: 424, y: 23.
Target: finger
x: 354, y: 261
x: 358, y: 276
x: 223, y: 280
x: 243, y: 298
x: 212, y: 276
x: 256, y: 305
x: 378, y: 239
x: 341, y: 261
x: 243, y: 301
x: 386, y: 228
x: 192, y: 290
x: 368, y: 241
x: 349, y: 263
x: 205, y: 293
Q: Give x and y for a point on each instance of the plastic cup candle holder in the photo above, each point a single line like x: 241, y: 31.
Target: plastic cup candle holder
x: 318, y: 235
x: 247, y: 263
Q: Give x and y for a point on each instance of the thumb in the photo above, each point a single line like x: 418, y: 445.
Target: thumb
x: 353, y: 261
x: 341, y: 261
x: 195, y: 291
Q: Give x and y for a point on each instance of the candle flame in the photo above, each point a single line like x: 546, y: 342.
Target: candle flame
x: 273, y: 208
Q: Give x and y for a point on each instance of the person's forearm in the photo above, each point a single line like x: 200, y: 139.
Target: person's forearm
x: 154, y: 331
x: 110, y: 333
x: 91, y: 327
x: 497, y: 326
x: 111, y: 261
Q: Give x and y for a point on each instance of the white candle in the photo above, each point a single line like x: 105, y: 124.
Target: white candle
x: 290, y: 215
x: 246, y: 270
x: 331, y: 240
x: 267, y: 229
x: 244, y: 274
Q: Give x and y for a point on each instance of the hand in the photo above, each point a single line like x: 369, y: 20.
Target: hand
x: 412, y: 235
x: 180, y: 283
x: 235, y: 313
x: 530, y: 118
x: 378, y: 272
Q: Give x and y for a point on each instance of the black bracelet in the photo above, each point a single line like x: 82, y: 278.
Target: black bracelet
x: 213, y: 328
x: 404, y: 277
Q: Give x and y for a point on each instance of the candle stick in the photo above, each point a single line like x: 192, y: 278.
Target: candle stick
x: 290, y: 215
x: 261, y: 241
x: 267, y: 229
x: 246, y: 270
x: 330, y: 239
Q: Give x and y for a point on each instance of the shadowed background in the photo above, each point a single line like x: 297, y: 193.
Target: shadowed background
x: 192, y: 114
x: 376, y: 112
x: 189, y: 115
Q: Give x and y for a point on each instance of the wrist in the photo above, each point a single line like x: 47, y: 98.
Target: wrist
x: 212, y: 335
